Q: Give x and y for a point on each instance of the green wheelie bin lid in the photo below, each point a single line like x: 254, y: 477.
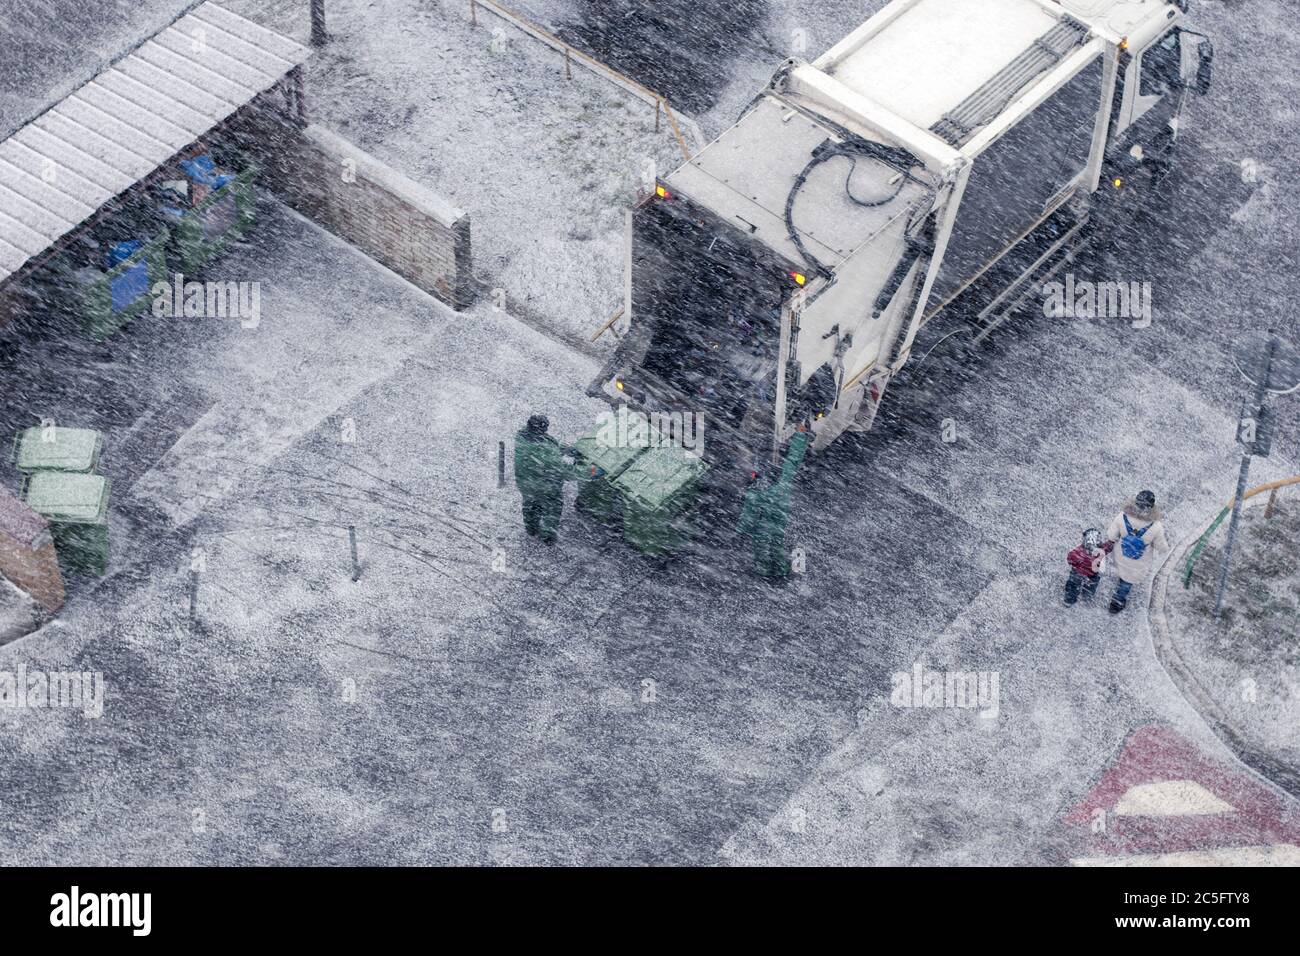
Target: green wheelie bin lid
x: 68, y: 498
x: 57, y: 449
x: 654, y: 479
x: 612, y: 446
x: 612, y: 452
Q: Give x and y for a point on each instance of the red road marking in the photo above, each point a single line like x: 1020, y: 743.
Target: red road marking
x: 1154, y: 754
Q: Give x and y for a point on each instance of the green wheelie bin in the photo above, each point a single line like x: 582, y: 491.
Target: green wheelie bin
x: 612, y: 450
x: 203, y: 232
x: 659, y: 491
x: 76, y: 506
x: 102, y: 301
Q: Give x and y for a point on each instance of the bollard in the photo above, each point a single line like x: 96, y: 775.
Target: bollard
x: 194, y: 598
x: 356, y: 565
x: 473, y: 13
x: 501, y: 464
x: 568, y: 68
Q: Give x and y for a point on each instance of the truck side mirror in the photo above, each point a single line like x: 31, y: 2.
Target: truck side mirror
x: 1205, y: 72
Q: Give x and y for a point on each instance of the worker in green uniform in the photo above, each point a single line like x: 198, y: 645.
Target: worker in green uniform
x: 766, y: 511
x: 540, y: 473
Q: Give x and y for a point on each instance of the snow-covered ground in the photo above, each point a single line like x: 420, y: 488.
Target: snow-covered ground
x: 604, y: 708
x: 1248, y: 661
x: 546, y: 166
x: 295, y: 448
x: 469, y: 671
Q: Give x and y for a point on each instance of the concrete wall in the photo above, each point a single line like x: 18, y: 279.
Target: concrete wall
x: 389, y: 217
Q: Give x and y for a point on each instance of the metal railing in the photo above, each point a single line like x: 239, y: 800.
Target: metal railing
x: 573, y: 55
x: 1272, y: 489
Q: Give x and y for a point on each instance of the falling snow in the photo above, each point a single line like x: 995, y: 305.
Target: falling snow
x: 609, y: 706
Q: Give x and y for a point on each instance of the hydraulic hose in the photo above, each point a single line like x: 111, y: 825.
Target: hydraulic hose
x: 893, y: 157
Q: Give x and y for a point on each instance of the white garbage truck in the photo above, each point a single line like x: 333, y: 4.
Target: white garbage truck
x: 946, y: 157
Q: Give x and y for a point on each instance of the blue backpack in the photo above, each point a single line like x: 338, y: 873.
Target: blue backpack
x: 1132, y: 544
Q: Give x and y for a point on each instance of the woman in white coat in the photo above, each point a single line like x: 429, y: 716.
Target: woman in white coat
x: 1138, y: 533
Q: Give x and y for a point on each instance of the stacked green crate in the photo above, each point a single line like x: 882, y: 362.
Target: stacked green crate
x: 204, y: 231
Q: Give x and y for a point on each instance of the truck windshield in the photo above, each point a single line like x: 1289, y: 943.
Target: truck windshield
x: 713, y: 302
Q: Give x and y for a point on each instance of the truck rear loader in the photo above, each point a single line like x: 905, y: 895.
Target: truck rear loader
x: 945, y: 158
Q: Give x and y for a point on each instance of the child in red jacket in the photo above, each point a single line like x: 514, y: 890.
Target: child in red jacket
x: 1086, y: 564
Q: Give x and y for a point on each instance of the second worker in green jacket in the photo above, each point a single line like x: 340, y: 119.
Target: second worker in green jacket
x: 766, y: 512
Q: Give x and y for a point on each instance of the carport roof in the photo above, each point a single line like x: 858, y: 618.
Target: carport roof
x: 60, y: 168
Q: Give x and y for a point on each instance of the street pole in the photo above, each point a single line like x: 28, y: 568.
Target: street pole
x: 1261, y: 390
x: 318, y: 34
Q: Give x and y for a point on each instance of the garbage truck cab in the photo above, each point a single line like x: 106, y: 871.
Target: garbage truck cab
x: 945, y: 157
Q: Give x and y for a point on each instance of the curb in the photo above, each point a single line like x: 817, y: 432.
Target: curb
x: 1196, y: 694
x: 539, y: 321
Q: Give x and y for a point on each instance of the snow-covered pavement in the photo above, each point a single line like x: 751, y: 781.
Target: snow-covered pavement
x: 605, y: 708
x: 485, y: 115
x: 1074, y: 683
x: 477, y: 698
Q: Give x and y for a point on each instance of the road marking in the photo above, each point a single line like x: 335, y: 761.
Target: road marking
x: 1162, y: 801
x: 1170, y: 798
x: 1283, y: 854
